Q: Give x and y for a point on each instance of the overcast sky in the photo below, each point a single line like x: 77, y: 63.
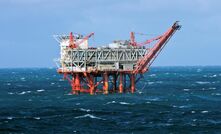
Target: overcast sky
x: 27, y: 26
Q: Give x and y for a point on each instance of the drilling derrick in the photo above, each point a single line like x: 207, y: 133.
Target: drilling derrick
x: 106, y: 69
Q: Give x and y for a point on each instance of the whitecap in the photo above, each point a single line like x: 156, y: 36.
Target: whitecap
x: 217, y: 94
x: 159, y: 82
x: 85, y: 110
x: 193, y: 112
x: 183, y: 106
x: 8, y: 84
x: 202, y: 82
x: 52, y: 83
x: 61, y: 79
x: 212, y: 88
x: 124, y: 103
x: 203, y: 112
x: 150, y: 83
x: 40, y: 90
x: 111, y: 102
x: 77, y: 103
x: 174, y: 106
x: 148, y: 102
x: 213, y: 76
x: 10, y: 93
x: 153, y: 99
x: 68, y: 94
x: 37, y: 118
x: 28, y: 91
x: 9, y: 118
x: 22, y: 79
x: 139, y: 92
x: 22, y: 93
x: 88, y: 115
x: 186, y: 89
x: 152, y: 75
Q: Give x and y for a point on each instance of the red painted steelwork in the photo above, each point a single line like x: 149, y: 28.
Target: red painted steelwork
x: 88, y: 81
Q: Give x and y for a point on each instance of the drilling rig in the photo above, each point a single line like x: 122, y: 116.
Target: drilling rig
x: 106, y: 69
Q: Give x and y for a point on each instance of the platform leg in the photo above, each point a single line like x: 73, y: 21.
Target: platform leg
x: 114, y: 83
x: 91, y: 83
x: 132, y: 80
x: 121, y: 83
x: 77, y: 84
x: 105, y: 83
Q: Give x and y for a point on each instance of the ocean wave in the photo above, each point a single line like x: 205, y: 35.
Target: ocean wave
x: 153, y: 99
x: 11, y: 93
x: 202, y: 82
x: 150, y: 83
x: 111, y: 102
x: 9, y: 118
x: 214, y: 122
x: 40, y: 90
x: 213, y: 76
x: 8, y: 84
x: 23, y: 79
x: 152, y: 75
x: 85, y: 110
x: 193, y: 112
x: 37, y: 118
x: 181, y: 107
x: 216, y: 94
x: 184, y: 106
x: 186, y: 89
x: 21, y: 93
x: 90, y: 116
x: 139, y: 92
x: 61, y: 80
x: 125, y: 103
x: 203, y: 112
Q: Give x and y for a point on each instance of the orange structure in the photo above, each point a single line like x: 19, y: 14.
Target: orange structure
x: 108, y: 69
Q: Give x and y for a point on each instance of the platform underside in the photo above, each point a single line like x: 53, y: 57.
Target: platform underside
x: 94, y: 70
x: 100, y: 60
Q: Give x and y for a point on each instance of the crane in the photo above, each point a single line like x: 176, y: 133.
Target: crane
x: 74, y: 44
x: 143, y: 64
x: 136, y: 44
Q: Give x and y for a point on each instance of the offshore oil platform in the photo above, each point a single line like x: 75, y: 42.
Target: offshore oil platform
x: 106, y: 69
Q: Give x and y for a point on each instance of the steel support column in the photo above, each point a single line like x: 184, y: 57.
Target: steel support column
x: 105, y: 83
x: 132, y: 80
x: 121, y: 83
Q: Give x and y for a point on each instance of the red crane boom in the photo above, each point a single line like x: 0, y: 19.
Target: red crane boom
x: 143, y: 64
x: 73, y: 44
